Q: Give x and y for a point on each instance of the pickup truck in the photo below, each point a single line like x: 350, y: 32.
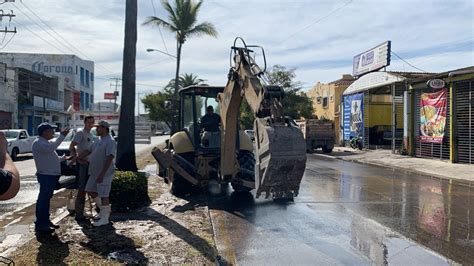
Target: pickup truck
x: 19, y: 142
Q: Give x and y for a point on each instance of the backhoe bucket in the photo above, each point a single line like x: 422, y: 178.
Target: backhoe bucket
x: 281, y: 159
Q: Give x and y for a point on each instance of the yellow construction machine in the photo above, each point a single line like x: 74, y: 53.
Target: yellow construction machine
x: 273, y: 164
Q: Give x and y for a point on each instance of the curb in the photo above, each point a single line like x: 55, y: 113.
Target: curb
x: 438, y: 177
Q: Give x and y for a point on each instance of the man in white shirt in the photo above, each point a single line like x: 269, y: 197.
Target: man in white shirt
x: 101, y: 170
x: 48, y: 171
x: 82, y: 142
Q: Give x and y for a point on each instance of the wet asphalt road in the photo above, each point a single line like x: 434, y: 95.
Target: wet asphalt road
x: 348, y: 213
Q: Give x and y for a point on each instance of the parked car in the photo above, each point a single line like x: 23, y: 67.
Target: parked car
x: 250, y: 133
x: 63, y: 149
x: 161, y: 132
x: 19, y: 142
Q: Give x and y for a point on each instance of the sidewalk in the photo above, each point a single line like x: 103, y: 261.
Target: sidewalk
x: 170, y: 231
x: 430, y: 167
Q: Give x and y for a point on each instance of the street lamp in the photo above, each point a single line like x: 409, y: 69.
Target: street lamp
x: 156, y: 50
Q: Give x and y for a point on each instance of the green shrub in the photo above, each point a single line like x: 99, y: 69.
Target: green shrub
x: 129, y: 191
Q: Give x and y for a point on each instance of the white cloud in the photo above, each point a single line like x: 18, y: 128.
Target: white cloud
x: 307, y: 34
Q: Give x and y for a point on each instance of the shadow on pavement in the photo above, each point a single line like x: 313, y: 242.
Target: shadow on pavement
x: 52, y: 251
x: 106, y: 242
x: 21, y: 158
x: 175, y: 228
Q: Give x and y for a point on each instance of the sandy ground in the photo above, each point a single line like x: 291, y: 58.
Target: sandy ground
x: 169, y: 231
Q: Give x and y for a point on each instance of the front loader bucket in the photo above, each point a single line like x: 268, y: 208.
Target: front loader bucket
x: 281, y: 159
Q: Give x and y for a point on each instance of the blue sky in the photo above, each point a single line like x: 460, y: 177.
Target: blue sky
x: 318, y: 38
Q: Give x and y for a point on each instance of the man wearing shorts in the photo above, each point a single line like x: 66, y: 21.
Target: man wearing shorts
x: 82, y: 142
x: 101, y: 171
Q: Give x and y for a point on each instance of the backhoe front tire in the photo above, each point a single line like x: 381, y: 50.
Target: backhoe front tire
x: 246, y: 161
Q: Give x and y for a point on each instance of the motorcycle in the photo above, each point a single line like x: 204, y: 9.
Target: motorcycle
x: 356, y: 142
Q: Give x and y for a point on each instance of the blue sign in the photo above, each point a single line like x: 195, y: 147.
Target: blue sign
x: 353, y: 116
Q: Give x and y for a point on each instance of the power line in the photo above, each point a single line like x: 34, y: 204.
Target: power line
x: 315, y: 22
x: 159, y: 28
x: 392, y: 52
x: 38, y: 36
x: 64, y: 42
x: 11, y: 38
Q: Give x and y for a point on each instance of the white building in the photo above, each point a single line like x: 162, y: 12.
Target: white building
x: 75, y: 92
x: 8, y: 101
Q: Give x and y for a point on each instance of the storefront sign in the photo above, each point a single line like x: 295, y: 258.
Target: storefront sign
x: 38, y: 101
x: 433, y: 116
x: 77, y: 101
x: 436, y: 83
x: 109, y: 96
x: 353, y: 116
x: 54, y: 105
x: 372, y: 60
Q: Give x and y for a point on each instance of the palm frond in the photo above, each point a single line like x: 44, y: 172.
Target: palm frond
x: 156, y: 21
x: 204, y: 28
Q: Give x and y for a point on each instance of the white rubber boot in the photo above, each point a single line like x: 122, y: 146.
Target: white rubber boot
x: 104, y: 216
x: 98, y: 204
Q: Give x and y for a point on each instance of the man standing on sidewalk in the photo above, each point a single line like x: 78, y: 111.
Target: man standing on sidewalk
x: 48, y: 171
x: 83, y: 140
x: 101, y: 170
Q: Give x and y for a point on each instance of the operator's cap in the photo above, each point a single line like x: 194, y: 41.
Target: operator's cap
x: 45, y: 126
x: 103, y: 123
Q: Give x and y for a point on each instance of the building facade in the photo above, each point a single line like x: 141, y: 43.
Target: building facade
x: 8, y: 100
x: 75, y: 76
x: 327, y: 100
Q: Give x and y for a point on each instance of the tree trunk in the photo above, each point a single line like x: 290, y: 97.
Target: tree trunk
x: 176, y: 106
x: 126, y: 138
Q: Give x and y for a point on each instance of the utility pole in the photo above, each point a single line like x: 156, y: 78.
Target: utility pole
x: 9, y: 16
x: 116, y: 94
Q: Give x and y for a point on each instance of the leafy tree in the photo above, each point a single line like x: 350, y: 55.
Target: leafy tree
x: 156, y: 103
x: 126, y: 144
x: 295, y: 103
x: 182, y: 20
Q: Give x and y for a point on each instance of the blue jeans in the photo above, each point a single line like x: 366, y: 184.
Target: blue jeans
x: 47, y: 185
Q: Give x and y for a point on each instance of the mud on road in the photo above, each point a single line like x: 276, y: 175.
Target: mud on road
x: 169, y: 231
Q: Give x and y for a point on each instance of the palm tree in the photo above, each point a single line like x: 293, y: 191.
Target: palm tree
x: 186, y: 80
x: 126, y: 144
x: 182, y: 20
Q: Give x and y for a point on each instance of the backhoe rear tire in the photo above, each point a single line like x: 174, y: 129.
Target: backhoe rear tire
x: 247, y: 161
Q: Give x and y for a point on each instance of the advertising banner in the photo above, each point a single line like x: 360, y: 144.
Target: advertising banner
x: 353, y: 116
x: 109, y: 96
x: 372, y: 60
x: 77, y: 101
x: 433, y: 116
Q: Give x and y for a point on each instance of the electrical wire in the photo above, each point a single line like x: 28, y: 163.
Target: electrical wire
x: 399, y: 57
x: 38, y: 36
x: 159, y: 28
x: 64, y: 42
x: 315, y: 22
x: 13, y: 35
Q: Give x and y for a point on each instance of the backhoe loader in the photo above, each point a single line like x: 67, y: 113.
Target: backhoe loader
x: 273, y: 164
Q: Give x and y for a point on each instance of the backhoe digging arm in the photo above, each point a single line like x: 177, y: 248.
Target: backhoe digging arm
x: 280, y: 148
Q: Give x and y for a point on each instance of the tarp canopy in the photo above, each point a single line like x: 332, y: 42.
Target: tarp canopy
x: 373, y: 80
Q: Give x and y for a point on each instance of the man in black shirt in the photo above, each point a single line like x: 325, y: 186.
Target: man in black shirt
x: 210, y: 121
x: 9, y: 176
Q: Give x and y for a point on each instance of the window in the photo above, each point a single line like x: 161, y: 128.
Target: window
x: 87, y: 101
x: 87, y: 78
x: 325, y: 102
x: 92, y: 76
x: 318, y: 100
x: 82, y: 76
x: 76, y: 70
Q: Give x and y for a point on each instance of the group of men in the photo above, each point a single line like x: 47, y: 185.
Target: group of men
x: 95, y: 167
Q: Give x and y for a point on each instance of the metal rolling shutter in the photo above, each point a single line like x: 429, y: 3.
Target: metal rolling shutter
x: 465, y: 120
x: 431, y: 150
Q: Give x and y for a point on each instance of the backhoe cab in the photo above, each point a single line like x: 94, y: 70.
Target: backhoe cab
x: 273, y: 164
